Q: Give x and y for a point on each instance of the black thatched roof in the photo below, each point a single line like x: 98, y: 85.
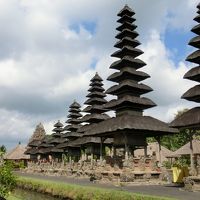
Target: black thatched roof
x: 96, y: 100
x: 189, y: 119
x: 31, y: 151
x: 56, y: 140
x: 192, y: 117
x: 89, y: 140
x: 129, y: 105
x: 128, y: 89
x: 73, y: 123
x: 130, y: 101
x: 57, y: 150
x: 38, y: 134
x: 44, y: 150
x: 94, y: 117
x: 34, y: 143
x: 131, y: 124
x: 193, y: 74
x: 193, y: 94
x: 58, y: 128
x: 129, y: 73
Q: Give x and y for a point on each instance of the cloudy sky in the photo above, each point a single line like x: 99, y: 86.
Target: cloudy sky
x: 49, y: 51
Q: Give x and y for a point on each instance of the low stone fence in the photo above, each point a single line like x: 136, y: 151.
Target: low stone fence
x: 108, y: 169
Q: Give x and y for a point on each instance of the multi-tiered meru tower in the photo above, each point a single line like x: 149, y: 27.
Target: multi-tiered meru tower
x: 191, y: 118
x: 96, y: 113
x: 130, y: 127
x: 71, y: 134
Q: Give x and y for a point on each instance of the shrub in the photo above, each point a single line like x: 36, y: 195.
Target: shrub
x: 7, y: 179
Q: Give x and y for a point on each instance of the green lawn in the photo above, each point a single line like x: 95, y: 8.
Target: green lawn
x: 13, y: 198
x: 77, y: 192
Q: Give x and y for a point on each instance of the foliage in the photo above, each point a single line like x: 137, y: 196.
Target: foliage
x: 181, y: 162
x: 2, y: 149
x: 75, y: 192
x: 167, y: 164
x: 174, y: 142
x: 7, y: 179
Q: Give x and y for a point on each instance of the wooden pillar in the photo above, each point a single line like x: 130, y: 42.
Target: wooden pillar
x: 92, y: 157
x: 101, y: 150
x: 159, y: 149
x: 126, y: 149
x: 145, y: 151
x: 113, y: 151
x: 191, y: 154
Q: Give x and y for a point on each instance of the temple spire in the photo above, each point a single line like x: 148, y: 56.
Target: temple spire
x: 73, y: 117
x: 193, y: 94
x: 191, y: 118
x: 128, y: 89
x: 95, y: 101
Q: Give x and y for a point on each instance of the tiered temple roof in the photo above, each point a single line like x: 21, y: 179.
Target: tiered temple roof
x: 38, y: 134
x: 73, y: 124
x: 73, y: 117
x: 95, y: 102
x: 128, y: 88
x: 36, y: 139
x: 95, y: 109
x: 45, y: 147
x: 130, y: 104
x: 56, y: 137
x: 191, y: 118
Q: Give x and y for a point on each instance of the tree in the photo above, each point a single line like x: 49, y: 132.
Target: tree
x: 3, y: 149
x: 174, y: 142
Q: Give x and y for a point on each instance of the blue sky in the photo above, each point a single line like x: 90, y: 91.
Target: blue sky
x: 51, y: 49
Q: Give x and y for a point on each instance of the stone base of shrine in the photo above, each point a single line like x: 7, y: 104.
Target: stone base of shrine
x: 115, y: 170
x: 192, y: 183
x: 125, y: 177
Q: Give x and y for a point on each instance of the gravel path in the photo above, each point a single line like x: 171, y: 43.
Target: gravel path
x: 173, y: 191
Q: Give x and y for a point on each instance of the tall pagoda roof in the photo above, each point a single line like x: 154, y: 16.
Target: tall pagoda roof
x: 58, y: 129
x: 191, y: 118
x: 128, y: 88
x: 73, y: 122
x: 129, y: 104
x: 95, y: 109
x: 96, y: 100
x: 38, y: 134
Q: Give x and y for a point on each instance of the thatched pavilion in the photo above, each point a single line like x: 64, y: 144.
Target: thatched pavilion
x: 130, y: 127
x: 153, y: 149
x: 191, y: 119
x: 17, y: 155
x: 185, y: 149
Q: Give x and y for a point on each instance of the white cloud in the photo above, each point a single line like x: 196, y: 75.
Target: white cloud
x: 45, y: 64
x: 166, y: 79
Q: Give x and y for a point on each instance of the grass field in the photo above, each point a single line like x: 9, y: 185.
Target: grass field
x: 75, y: 192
